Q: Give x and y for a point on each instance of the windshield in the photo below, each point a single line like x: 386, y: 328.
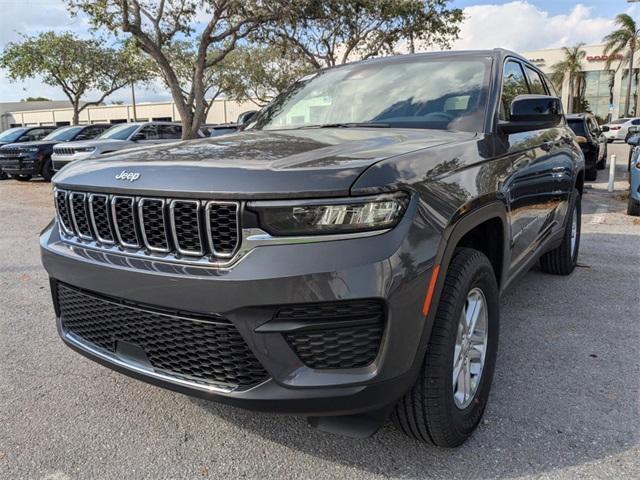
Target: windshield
x: 407, y: 92
x: 120, y: 132
x: 577, y: 126
x: 63, y: 134
x: 11, y: 134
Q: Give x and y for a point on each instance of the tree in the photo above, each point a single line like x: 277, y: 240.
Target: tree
x: 258, y: 73
x: 332, y: 32
x: 623, y: 41
x: 570, y: 67
x: 77, y: 66
x: 157, y: 26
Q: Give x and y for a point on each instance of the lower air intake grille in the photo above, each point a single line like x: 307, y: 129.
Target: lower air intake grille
x: 207, y: 350
x: 351, y: 339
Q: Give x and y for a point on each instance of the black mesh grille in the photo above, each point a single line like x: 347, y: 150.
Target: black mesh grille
x: 209, y: 350
x: 153, y: 222
x: 125, y: 220
x: 187, y: 227
x: 63, y: 210
x: 100, y: 209
x: 223, y: 225
x: 352, y: 339
x: 80, y: 214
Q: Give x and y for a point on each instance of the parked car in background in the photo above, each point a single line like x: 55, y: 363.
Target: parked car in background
x: 342, y: 257
x: 23, y: 134
x: 633, y: 203
x: 118, y: 137
x: 225, y: 128
x: 619, y: 129
x: 22, y: 161
x: 592, y: 142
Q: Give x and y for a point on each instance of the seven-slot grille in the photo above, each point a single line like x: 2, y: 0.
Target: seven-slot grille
x: 64, y: 150
x: 184, y: 228
x: 9, y: 152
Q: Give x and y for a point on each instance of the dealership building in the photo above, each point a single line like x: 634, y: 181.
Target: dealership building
x: 16, y: 114
x: 603, y: 89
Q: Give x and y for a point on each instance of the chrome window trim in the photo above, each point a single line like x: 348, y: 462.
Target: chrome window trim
x: 71, y: 195
x: 143, y: 233
x: 207, y: 210
x: 93, y: 218
x: 116, y: 226
x: 174, y: 232
x: 62, y: 227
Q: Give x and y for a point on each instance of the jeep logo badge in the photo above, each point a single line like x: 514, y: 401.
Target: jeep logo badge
x: 130, y: 176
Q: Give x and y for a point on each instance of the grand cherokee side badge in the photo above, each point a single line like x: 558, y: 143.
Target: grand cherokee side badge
x: 130, y: 176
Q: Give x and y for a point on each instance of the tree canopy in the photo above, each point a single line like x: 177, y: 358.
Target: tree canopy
x: 75, y: 65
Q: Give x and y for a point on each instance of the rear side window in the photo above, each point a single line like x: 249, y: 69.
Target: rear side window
x: 536, y: 84
x: 578, y: 126
x: 513, y: 84
x: 170, y: 132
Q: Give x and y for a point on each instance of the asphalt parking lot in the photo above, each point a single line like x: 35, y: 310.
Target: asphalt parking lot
x: 565, y: 401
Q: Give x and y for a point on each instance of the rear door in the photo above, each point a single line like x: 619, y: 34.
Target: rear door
x: 532, y: 188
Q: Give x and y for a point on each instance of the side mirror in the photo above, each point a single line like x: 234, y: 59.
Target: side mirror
x: 24, y: 139
x: 581, y: 140
x: 605, y: 128
x: 246, y: 117
x: 533, y: 112
x: 634, y: 141
x: 137, y: 137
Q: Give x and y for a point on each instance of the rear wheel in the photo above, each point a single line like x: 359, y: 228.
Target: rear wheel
x: 449, y: 397
x: 21, y: 178
x: 563, y: 259
x: 47, y: 170
x: 602, y: 164
x: 591, y: 174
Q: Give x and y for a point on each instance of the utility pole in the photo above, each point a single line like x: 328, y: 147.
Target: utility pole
x: 133, y: 101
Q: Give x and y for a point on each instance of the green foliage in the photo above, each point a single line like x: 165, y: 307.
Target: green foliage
x: 331, y: 32
x: 75, y: 65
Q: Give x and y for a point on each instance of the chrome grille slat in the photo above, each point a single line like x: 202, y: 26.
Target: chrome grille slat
x: 186, y: 233
x: 180, y: 230
x: 79, y: 215
x: 123, y: 212
x: 153, y: 225
x: 100, y: 218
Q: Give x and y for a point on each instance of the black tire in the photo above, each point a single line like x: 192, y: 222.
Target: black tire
x: 21, y: 178
x: 562, y: 260
x: 47, y: 170
x: 633, y: 207
x: 3, y: 176
x: 602, y: 164
x: 428, y: 411
x: 591, y: 174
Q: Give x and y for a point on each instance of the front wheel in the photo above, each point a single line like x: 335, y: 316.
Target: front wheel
x: 47, y: 170
x: 449, y: 397
x: 633, y: 207
x: 563, y: 259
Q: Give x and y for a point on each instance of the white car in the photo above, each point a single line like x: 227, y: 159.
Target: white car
x: 118, y: 137
x: 618, y: 129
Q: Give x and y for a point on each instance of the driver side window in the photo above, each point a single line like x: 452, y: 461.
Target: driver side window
x: 513, y: 84
x: 150, y: 132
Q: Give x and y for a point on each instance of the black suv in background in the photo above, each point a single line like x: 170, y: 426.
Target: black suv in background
x: 341, y: 257
x: 592, y: 142
x: 23, y: 134
x: 24, y: 160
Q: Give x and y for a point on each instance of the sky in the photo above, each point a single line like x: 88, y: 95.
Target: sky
x: 520, y: 25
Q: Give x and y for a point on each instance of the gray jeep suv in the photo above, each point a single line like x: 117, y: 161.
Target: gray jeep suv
x: 341, y: 257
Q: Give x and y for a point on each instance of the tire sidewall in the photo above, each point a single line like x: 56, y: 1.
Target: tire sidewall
x: 576, y: 204
x: 465, y: 421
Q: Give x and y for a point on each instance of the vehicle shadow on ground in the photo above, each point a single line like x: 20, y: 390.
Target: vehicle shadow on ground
x: 559, y: 398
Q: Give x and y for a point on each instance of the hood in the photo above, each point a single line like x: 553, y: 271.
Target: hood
x: 253, y: 164
x: 37, y: 143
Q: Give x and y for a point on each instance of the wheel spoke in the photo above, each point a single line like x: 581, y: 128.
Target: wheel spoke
x: 473, y: 314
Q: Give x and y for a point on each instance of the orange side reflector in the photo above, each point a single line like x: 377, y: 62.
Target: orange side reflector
x: 430, y: 290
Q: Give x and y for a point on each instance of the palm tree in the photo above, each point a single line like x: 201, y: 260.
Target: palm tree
x: 623, y: 41
x: 571, y: 66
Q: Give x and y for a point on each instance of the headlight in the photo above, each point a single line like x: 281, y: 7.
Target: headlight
x: 346, y: 215
x: 84, y: 149
x: 30, y: 149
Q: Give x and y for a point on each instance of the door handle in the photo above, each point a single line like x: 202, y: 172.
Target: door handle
x: 557, y: 169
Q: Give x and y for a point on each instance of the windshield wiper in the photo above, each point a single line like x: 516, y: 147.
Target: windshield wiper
x: 347, y: 125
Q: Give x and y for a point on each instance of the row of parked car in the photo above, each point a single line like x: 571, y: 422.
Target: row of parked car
x: 26, y: 152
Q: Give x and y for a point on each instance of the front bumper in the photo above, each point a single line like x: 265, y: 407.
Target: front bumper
x: 384, y: 267
x: 23, y: 165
